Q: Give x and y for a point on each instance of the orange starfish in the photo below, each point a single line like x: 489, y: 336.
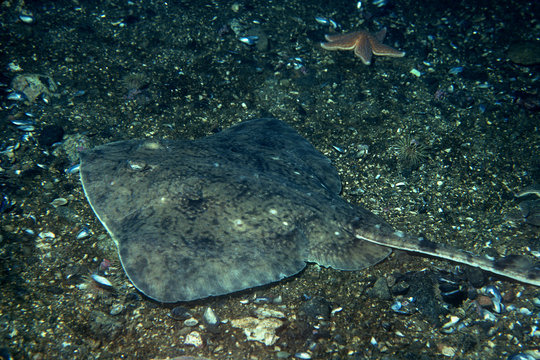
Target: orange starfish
x: 363, y: 43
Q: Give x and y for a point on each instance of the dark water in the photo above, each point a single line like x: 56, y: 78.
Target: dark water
x: 436, y: 142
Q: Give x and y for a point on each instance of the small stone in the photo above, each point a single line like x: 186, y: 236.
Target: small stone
x: 380, y: 290
x: 446, y: 350
x: 316, y: 308
x: 262, y: 330
x: 193, y: 338
x: 283, y: 355
x: 210, y: 317
x: 59, y: 202
x: 525, y: 311
x: 26, y: 18
x: 484, y: 301
x: 415, y: 72
x: 453, y: 320
x: 34, y: 85
x: 117, y: 309
x: 179, y: 313
x: 268, y: 313
x: 191, y: 322
x: 261, y: 300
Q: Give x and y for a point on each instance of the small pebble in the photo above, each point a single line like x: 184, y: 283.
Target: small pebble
x: 261, y: 300
x: 27, y: 19
x: 194, y: 338
x: 380, y: 289
x: 210, y: 316
x: 179, y: 313
x: 43, y: 234
x: 267, y: 313
x: 282, y: 355
x: 525, y: 311
x: 336, y: 310
x: 484, y: 301
x: 415, y: 72
x: 447, y: 350
x: 59, y: 202
x: 116, y: 309
x: 84, y: 233
x: 191, y: 322
x: 453, y: 320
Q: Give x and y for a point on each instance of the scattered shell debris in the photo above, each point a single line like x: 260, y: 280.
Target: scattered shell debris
x: 261, y: 330
x: 468, y: 91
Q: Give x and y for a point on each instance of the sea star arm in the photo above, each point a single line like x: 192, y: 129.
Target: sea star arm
x: 341, y: 41
x: 364, y: 50
x: 385, y: 50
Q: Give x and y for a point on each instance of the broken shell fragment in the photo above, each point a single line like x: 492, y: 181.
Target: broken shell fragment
x: 59, y: 202
x: 101, y: 280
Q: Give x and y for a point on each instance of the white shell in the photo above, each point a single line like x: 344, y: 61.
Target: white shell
x: 101, y: 280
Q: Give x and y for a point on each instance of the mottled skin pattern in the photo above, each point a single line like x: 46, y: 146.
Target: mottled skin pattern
x: 245, y: 207
x: 241, y: 208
